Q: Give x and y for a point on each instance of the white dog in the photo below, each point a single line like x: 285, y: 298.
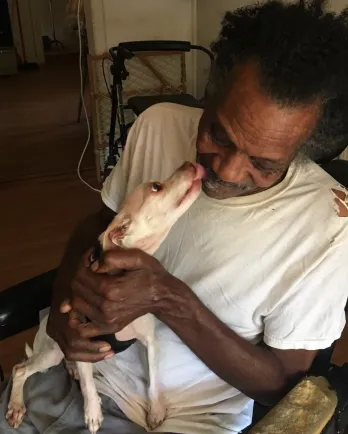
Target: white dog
x: 143, y: 222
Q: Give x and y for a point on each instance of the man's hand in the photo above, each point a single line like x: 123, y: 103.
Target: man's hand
x: 112, y: 302
x: 74, y: 347
x: 83, y: 237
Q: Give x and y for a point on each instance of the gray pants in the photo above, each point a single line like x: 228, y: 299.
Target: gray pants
x: 55, y: 406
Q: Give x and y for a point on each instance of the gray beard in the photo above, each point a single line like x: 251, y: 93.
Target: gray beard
x: 301, y: 159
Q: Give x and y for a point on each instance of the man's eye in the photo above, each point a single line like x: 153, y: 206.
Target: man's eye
x: 217, y: 132
x: 156, y: 186
x: 268, y: 171
x: 218, y: 136
x: 218, y: 140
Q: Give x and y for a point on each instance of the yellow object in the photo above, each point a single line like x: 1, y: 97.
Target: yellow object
x: 306, y: 409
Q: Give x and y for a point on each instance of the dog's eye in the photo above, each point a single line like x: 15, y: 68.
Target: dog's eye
x: 156, y: 186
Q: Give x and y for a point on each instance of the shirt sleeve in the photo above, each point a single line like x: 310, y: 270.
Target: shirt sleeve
x: 312, y: 317
x: 115, y: 186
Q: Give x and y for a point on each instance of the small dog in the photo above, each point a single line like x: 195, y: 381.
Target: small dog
x: 143, y: 222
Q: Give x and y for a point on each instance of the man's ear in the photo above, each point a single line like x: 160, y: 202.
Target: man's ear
x: 120, y: 230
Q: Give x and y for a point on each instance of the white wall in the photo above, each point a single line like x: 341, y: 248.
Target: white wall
x: 209, y: 17
x: 337, y: 5
x: 112, y: 21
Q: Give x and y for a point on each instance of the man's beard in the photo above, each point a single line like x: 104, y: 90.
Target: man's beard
x: 213, y: 182
x: 216, y: 187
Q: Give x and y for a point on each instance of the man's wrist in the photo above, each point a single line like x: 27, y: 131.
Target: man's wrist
x: 177, y: 301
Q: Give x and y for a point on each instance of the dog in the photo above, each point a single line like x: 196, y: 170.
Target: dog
x: 144, y: 221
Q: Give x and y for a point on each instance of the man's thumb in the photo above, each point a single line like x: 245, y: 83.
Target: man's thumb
x: 95, y: 267
x: 65, y: 306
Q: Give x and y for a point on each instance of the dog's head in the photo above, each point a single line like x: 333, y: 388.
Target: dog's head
x: 148, y: 213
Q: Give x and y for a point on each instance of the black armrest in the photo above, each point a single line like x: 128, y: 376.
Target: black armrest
x: 20, y: 305
x: 338, y: 169
x: 138, y: 104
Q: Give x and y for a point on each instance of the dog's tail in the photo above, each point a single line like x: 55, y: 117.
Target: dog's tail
x: 28, y: 350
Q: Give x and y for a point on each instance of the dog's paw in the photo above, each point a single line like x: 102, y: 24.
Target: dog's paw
x: 156, y: 414
x: 72, y: 369
x: 93, y: 415
x: 15, y: 414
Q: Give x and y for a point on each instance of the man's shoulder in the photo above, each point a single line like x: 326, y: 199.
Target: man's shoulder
x: 312, y: 176
x: 160, y: 140
x: 321, y: 198
x: 163, y: 137
x: 165, y: 109
x: 176, y: 117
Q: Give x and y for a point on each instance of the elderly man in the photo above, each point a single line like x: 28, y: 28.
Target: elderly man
x: 252, y: 280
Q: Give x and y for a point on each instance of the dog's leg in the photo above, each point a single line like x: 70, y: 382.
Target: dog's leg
x: 72, y: 369
x: 50, y: 356
x: 157, y: 410
x: 144, y: 330
x: 92, y: 401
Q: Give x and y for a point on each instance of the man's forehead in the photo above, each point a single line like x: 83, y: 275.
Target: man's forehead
x: 252, y: 119
x: 265, y: 140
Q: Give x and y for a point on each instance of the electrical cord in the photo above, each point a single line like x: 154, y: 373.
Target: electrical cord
x: 83, y: 102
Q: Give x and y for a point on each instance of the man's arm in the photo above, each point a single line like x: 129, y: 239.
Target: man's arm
x: 83, y: 238
x: 113, y: 302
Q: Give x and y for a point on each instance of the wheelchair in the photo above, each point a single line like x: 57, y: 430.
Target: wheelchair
x: 20, y: 305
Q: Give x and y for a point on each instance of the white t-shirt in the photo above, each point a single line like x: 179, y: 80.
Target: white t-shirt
x: 272, y: 266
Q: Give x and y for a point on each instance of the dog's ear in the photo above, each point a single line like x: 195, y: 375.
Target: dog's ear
x: 119, y: 232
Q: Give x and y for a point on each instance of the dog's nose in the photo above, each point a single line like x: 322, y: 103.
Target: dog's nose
x: 187, y: 165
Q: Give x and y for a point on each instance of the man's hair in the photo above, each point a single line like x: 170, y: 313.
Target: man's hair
x: 302, y: 51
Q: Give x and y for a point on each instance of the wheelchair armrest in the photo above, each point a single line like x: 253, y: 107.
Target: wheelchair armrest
x: 321, y: 366
x: 338, y: 169
x: 337, y: 377
x: 20, y: 305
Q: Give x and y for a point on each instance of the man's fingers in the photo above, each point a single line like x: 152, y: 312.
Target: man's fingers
x: 88, y: 357
x: 92, y: 330
x: 81, y: 345
x: 81, y: 307
x: 75, y: 319
x: 95, y: 266
x: 126, y: 259
x: 92, y: 295
x: 86, y: 257
x: 65, y: 307
x: 79, y: 349
x: 86, y: 278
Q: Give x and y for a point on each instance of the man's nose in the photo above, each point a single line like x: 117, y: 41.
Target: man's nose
x: 232, y: 166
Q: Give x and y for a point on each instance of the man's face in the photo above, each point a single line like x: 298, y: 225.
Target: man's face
x: 245, y: 140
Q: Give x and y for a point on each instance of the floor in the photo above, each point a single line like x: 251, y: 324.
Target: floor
x: 41, y: 197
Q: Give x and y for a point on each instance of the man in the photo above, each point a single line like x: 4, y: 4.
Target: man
x: 252, y: 281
